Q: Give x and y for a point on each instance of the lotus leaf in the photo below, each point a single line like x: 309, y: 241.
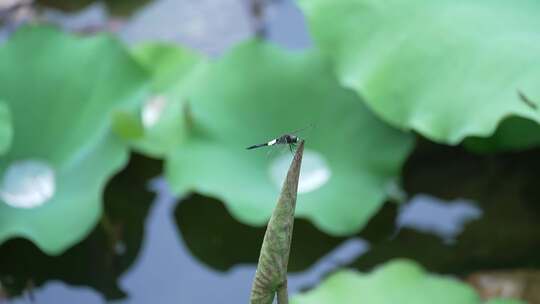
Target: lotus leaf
x: 447, y: 69
x: 259, y: 91
x: 398, y: 281
x: 61, y: 91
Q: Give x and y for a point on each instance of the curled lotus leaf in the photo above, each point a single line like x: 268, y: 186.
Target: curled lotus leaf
x: 446, y: 69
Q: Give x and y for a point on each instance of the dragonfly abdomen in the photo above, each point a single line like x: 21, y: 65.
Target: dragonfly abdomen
x: 270, y: 143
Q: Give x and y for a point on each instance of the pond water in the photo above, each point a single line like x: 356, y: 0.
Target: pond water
x: 464, y: 212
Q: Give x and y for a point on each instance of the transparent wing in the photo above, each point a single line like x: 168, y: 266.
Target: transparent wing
x: 277, y: 150
x: 305, y: 132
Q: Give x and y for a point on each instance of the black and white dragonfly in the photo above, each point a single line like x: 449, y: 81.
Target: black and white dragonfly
x: 286, y: 139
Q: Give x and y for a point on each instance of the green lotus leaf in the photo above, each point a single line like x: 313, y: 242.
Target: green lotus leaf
x: 398, y: 281
x: 257, y: 92
x: 446, y: 69
x: 6, y: 131
x: 61, y: 91
x: 173, y: 70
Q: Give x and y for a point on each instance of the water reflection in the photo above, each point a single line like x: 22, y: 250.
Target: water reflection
x: 167, y: 272
x: 504, y: 187
x: 431, y: 215
x: 286, y: 25
x: 207, y: 25
x: 228, y: 242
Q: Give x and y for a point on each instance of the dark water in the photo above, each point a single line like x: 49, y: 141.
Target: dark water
x: 465, y: 212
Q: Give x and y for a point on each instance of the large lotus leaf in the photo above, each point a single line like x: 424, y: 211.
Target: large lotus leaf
x: 173, y: 69
x: 398, y: 281
x: 6, y: 131
x: 61, y: 91
x: 257, y: 92
x: 445, y: 68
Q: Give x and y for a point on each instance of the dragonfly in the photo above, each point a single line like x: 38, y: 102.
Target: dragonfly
x: 285, y: 139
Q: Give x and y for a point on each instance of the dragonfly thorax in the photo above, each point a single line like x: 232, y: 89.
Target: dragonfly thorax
x: 288, y: 139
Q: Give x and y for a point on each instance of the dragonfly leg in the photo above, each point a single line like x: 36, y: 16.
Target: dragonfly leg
x: 292, y: 147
